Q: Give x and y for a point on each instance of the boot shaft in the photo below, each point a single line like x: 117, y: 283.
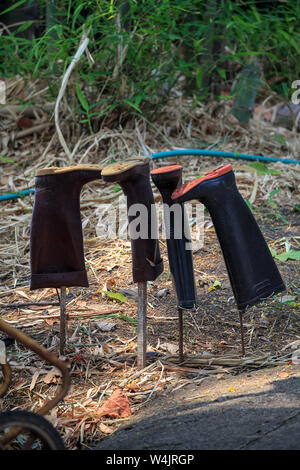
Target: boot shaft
x: 167, y: 180
x: 133, y: 177
x: 56, y: 240
x: 251, y: 268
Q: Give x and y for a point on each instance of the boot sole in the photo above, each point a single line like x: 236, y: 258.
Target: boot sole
x: 186, y: 187
x: 166, y: 169
x: 117, y: 171
x: 53, y: 170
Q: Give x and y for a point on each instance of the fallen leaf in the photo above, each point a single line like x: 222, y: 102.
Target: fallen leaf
x: 132, y: 387
x: 283, y: 374
x: 34, y: 379
x: 117, y: 406
x: 107, y: 286
x: 51, y: 321
x: 105, y: 325
x: 216, y: 285
x: 133, y: 294
x: 263, y: 169
x: 24, y: 123
x: 53, y: 376
x: 105, y: 429
x: 169, y: 347
x: 115, y: 295
x: 162, y: 293
x: 292, y: 254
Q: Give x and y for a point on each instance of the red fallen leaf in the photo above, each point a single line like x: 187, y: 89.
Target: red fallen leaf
x: 283, y: 374
x: 222, y: 344
x: 117, y: 406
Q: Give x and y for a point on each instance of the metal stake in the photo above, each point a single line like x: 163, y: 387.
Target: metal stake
x: 142, y: 325
x: 63, y: 321
x: 180, y: 331
x: 242, y: 330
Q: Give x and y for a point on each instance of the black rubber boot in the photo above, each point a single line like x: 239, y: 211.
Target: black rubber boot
x: 251, y: 268
x: 133, y: 177
x: 167, y: 179
x: 56, y: 240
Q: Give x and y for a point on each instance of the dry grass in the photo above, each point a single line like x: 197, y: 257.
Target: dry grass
x: 102, y: 363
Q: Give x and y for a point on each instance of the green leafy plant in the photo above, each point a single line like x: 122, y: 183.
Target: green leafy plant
x: 142, y: 50
x: 288, y: 254
x: 291, y: 254
x: 296, y: 208
x: 115, y: 295
x: 262, y: 169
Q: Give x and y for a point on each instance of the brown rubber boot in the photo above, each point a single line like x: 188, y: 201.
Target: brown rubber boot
x: 134, y: 178
x: 56, y: 240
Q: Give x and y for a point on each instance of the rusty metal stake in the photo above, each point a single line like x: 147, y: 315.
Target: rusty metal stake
x: 180, y: 330
x: 63, y: 321
x: 142, y: 325
x: 242, y: 330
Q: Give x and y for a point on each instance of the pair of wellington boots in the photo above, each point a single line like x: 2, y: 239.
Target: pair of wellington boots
x: 56, y: 239
x: 57, y: 257
x: 251, y: 268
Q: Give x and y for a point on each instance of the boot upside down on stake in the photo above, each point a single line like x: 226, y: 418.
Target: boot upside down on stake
x: 147, y: 265
x: 178, y: 239
x: 56, y: 239
x: 252, y: 271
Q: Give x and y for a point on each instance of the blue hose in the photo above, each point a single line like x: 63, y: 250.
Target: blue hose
x: 215, y: 153
x: 5, y: 197
x: 173, y: 153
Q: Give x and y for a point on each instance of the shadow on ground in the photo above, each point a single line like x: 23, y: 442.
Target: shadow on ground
x: 257, y: 411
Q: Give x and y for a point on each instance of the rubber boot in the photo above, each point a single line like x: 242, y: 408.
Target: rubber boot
x: 167, y: 179
x: 251, y: 268
x: 133, y: 177
x: 56, y: 240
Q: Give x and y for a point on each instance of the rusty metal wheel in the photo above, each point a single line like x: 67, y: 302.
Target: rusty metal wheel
x: 34, y: 432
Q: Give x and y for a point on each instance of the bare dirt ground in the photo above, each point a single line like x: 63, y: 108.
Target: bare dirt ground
x: 103, y: 363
